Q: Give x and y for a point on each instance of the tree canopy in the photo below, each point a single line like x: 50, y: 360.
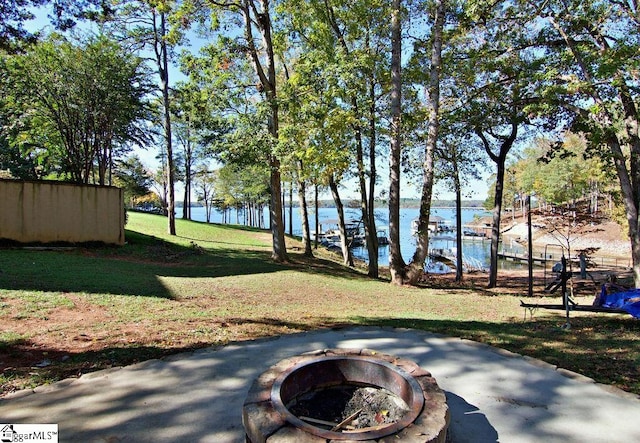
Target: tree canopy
x: 322, y: 92
x: 71, y: 108
x: 63, y: 15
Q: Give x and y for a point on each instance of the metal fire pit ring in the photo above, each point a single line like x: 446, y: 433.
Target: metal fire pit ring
x: 267, y: 419
x: 328, y: 371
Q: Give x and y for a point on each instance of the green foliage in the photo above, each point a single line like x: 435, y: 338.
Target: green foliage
x: 568, y: 176
x: 139, y: 22
x: 339, y: 54
x: 316, y: 130
x: 133, y: 178
x: 64, y: 16
x: 74, y: 107
x: 235, y: 185
x: 226, y: 111
x: 560, y: 173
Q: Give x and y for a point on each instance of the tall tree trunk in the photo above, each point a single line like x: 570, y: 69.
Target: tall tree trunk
x: 162, y: 59
x: 368, y: 221
x: 316, y: 216
x: 346, y: 252
x: 264, y: 65
x: 304, y: 213
x: 366, y: 211
x: 458, y: 188
x: 401, y: 273
x: 629, y: 178
x: 372, y: 241
x: 207, y: 205
x: 500, y: 160
x: 630, y: 195
x: 291, y: 208
x: 415, y: 270
x: 185, y: 200
x: 186, y: 205
x: 631, y: 188
x: 368, y: 218
x: 396, y: 263
x: 495, y: 228
x: 279, y: 253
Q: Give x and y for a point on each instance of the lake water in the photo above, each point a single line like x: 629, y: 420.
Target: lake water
x: 475, y: 249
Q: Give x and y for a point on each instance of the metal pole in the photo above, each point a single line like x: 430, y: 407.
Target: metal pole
x: 530, y: 245
x: 565, y: 294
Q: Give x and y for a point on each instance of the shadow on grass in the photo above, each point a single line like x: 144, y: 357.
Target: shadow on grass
x: 229, y: 226
x: 134, y: 269
x: 322, y: 266
x: 137, y: 268
x: 221, y: 230
x: 28, y: 366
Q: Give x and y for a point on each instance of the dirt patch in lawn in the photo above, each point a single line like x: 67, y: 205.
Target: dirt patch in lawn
x: 81, y: 336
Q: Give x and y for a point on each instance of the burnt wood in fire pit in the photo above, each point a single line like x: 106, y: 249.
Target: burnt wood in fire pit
x: 345, y: 394
x: 349, y: 407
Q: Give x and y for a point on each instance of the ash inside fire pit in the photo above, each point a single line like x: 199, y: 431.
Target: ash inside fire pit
x: 345, y: 395
x: 351, y: 406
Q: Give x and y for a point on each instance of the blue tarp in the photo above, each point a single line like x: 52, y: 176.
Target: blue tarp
x: 628, y: 300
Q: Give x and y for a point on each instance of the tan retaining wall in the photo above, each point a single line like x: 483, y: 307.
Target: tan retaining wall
x: 49, y: 212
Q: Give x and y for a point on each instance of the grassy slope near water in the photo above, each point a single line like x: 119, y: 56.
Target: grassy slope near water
x: 67, y: 312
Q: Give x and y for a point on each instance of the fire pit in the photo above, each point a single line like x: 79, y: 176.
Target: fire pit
x: 345, y: 394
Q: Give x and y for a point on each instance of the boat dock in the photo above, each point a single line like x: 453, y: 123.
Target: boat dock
x: 594, y: 261
x: 516, y: 257
x: 448, y: 257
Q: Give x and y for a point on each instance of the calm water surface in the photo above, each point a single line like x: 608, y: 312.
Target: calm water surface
x: 476, y: 249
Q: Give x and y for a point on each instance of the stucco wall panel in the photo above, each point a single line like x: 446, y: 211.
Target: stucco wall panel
x: 49, y: 212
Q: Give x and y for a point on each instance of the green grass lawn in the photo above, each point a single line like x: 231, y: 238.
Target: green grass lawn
x: 85, y: 309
